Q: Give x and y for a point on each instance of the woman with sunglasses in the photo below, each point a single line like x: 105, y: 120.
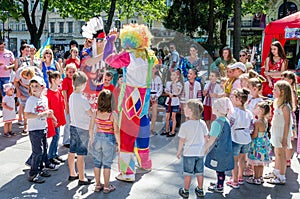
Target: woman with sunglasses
x: 244, y: 60
x: 221, y: 63
x: 74, y: 57
x: 48, y: 63
x: 275, y: 64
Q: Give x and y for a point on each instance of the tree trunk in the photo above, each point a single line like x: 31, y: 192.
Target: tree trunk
x: 211, y: 26
x: 237, y: 28
x: 110, y: 16
x: 223, y: 35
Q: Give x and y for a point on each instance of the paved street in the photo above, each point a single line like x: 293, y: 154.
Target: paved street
x: 162, y: 182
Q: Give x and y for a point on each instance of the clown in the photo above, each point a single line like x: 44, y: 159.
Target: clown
x: 137, y: 62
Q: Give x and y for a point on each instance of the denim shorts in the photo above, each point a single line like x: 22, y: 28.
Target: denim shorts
x: 174, y: 109
x: 193, y: 166
x: 79, y: 140
x: 239, y: 148
x: 104, y: 150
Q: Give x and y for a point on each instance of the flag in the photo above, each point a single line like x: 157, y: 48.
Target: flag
x: 45, y: 45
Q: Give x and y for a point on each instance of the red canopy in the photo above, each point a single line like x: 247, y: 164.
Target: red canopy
x: 276, y: 30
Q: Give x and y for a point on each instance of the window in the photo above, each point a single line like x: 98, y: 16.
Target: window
x: 61, y: 27
x: 23, y: 26
x: 11, y: 25
x: 17, y: 27
x: 52, y: 27
x: 70, y: 26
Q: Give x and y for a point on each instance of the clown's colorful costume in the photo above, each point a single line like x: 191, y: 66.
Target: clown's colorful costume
x: 134, y: 97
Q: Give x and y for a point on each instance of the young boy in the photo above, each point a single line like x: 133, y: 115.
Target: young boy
x: 80, y: 112
x: 106, y: 83
x: 193, y: 134
x: 36, y: 111
x: 67, y: 90
x: 238, y: 69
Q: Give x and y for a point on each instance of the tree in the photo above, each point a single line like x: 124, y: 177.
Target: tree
x: 237, y: 27
x: 149, y: 9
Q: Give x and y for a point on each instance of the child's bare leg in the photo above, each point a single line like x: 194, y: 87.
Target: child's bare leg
x: 173, y: 122
x: 200, y: 181
x: 97, y: 175
x: 10, y: 127
x: 241, y: 165
x: 154, y: 115
x: 167, y: 121
x: 236, y: 169
x: 71, y: 164
x: 6, y: 128
x: 187, y: 182
x: 80, y: 167
x: 281, y: 156
x: 106, y: 174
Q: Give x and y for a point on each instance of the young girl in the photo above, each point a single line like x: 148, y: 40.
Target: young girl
x: 241, y: 123
x: 173, y: 89
x: 8, y: 104
x: 192, y: 88
x: 103, y: 141
x: 156, y: 91
x: 212, y: 91
x: 281, y: 129
x: 56, y: 103
x: 255, y: 87
x: 220, y: 157
x: 67, y: 90
x: 290, y: 77
x: 260, y: 147
x: 192, y: 134
x: 36, y: 111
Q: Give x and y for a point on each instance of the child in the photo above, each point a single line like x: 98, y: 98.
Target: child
x: 36, y: 111
x: 80, y: 112
x: 290, y: 77
x: 238, y: 69
x: 241, y: 125
x: 229, y: 81
x: 281, y: 129
x: 173, y: 89
x: 220, y: 157
x: 156, y: 91
x: 260, y: 147
x: 103, y: 141
x: 67, y: 90
x: 8, y: 104
x: 106, y: 83
x: 55, y: 103
x: 192, y: 136
x: 192, y: 88
x: 212, y: 91
x: 255, y: 87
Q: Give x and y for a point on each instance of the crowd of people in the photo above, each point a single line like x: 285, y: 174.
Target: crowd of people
x: 229, y: 123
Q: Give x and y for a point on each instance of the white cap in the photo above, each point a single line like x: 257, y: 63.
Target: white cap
x: 239, y: 65
x: 8, y: 86
x: 38, y: 79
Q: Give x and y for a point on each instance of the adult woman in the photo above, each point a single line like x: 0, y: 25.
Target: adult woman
x: 244, y: 59
x: 275, y: 64
x: 24, y: 59
x: 221, y: 63
x: 190, y: 62
x: 74, y: 57
x: 48, y: 63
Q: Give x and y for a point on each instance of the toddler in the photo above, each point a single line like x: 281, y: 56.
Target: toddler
x: 8, y: 104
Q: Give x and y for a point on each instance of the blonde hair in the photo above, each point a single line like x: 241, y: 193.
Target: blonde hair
x: 196, y: 106
x: 28, y: 72
x: 44, y: 54
x: 79, y: 78
x: 74, y: 49
x: 223, y: 106
x: 286, y: 94
x: 71, y: 65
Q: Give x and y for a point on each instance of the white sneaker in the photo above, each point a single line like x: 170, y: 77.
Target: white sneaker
x: 127, y: 178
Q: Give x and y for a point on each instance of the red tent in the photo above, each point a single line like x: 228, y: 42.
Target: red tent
x: 276, y: 30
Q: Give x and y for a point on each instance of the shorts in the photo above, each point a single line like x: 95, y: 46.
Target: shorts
x: 104, y: 150
x: 79, y: 140
x: 174, y: 109
x: 240, y: 148
x: 193, y: 166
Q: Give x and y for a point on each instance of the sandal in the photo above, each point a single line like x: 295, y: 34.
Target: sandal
x: 269, y: 175
x: 253, y: 181
x: 171, y: 135
x: 11, y: 133
x: 98, y: 187
x: 165, y: 133
x: 7, y: 135
x: 276, y: 181
x: 109, y: 189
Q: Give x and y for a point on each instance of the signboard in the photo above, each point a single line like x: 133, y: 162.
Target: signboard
x: 292, y: 33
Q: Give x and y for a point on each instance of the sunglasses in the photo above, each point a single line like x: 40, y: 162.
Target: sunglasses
x: 242, y: 55
x: 47, y: 53
x: 99, y: 40
x: 75, y: 52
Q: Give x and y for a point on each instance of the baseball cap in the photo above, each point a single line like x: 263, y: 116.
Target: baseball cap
x: 239, y: 65
x: 7, y: 86
x: 38, y: 79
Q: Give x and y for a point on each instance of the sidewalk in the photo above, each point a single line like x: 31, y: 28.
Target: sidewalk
x: 161, y: 183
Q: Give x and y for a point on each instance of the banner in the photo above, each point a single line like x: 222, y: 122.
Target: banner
x: 292, y: 33
x: 46, y: 44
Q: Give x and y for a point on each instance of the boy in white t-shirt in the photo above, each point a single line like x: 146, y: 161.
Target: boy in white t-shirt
x: 80, y: 113
x: 193, y: 135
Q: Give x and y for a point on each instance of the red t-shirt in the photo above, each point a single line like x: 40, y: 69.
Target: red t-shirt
x: 111, y: 87
x: 67, y: 85
x: 57, y: 104
x: 75, y: 61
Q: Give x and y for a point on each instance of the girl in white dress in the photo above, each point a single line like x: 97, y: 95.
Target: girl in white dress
x: 8, y: 104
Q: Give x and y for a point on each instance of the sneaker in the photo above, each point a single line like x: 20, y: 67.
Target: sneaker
x: 45, y: 174
x: 241, y: 181
x: 269, y: 175
x: 277, y: 181
x: 59, y: 159
x: 36, y: 179
x: 127, y: 178
x: 51, y: 167
x: 215, y: 189
x: 54, y: 161
x: 199, y: 192
x: 183, y: 193
x: 232, y: 184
